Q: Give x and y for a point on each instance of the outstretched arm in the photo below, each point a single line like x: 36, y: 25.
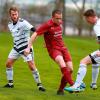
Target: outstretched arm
x: 41, y: 30
x: 31, y: 41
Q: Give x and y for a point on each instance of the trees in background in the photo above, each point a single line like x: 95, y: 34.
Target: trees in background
x: 4, y: 19
x: 80, y: 10
x: 72, y: 17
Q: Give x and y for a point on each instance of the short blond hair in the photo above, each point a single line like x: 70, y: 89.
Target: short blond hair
x: 13, y: 8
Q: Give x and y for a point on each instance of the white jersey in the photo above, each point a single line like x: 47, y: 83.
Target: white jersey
x: 20, y: 33
x: 93, y: 55
x: 96, y: 28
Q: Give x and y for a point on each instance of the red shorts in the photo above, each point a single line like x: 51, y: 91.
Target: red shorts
x: 63, y: 52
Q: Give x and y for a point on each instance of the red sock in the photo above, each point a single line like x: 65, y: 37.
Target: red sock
x: 67, y: 75
x: 63, y: 84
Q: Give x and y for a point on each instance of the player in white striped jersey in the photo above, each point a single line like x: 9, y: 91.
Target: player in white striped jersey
x: 20, y: 30
x: 93, y: 58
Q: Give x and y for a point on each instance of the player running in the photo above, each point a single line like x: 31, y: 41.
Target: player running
x: 93, y: 58
x: 52, y: 31
x: 20, y: 30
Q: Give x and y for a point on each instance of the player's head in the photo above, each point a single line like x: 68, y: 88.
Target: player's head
x: 14, y: 13
x: 57, y: 16
x: 90, y: 16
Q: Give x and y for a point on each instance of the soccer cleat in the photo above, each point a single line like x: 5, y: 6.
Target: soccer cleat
x: 60, y: 92
x: 9, y: 86
x: 83, y: 85
x: 71, y: 89
x: 93, y: 86
x: 40, y: 87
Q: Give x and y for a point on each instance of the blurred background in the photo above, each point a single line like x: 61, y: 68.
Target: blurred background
x: 38, y: 11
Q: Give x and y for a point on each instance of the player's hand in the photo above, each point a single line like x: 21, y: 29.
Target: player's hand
x: 98, y: 54
x: 26, y: 51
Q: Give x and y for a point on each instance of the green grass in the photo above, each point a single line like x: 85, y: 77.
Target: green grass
x: 25, y: 87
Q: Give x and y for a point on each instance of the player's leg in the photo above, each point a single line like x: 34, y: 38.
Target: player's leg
x: 9, y: 68
x: 36, y: 75
x: 91, y: 59
x: 82, y: 70
x: 95, y: 73
x: 35, y: 72
x: 69, y: 64
x: 67, y: 59
x: 59, y: 60
x: 81, y: 74
x: 9, y: 72
x: 65, y: 72
x: 95, y: 69
x: 67, y: 78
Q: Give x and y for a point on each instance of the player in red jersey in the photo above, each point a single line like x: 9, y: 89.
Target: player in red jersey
x: 52, y: 31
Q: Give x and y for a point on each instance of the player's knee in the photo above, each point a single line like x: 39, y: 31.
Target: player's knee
x: 82, y: 66
x: 9, y: 64
x: 31, y: 65
x: 71, y: 69
x: 86, y: 61
x: 70, y: 66
x: 83, y: 61
x: 62, y: 65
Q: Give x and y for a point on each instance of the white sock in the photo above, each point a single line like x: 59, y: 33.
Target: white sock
x: 36, y: 76
x: 80, y: 75
x: 9, y: 72
x: 95, y: 72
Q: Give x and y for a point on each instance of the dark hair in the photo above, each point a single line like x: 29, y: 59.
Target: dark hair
x: 13, y: 8
x: 89, y: 12
x: 56, y: 11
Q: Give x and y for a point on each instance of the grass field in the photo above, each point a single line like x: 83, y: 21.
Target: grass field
x: 25, y: 87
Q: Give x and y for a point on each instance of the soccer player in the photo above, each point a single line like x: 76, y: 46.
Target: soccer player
x: 20, y: 30
x: 52, y: 31
x: 93, y: 58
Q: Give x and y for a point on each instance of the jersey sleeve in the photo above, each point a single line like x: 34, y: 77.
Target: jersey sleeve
x: 97, y: 30
x: 42, y: 28
x: 28, y: 26
x: 9, y: 28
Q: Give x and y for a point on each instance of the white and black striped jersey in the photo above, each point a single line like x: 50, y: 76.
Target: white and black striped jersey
x: 20, y: 33
x: 96, y: 27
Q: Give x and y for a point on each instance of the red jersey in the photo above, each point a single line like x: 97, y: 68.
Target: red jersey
x: 52, y: 34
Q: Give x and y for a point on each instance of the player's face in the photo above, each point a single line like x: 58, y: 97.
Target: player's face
x: 14, y: 15
x: 57, y: 18
x: 91, y: 19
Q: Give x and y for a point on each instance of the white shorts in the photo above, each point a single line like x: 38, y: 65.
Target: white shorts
x: 95, y: 57
x: 15, y: 55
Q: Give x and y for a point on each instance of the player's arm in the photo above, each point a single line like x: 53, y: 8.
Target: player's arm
x: 41, y: 30
x: 34, y: 35
x: 31, y: 41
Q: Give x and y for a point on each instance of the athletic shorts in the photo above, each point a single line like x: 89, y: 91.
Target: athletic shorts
x: 94, y: 58
x: 63, y: 52
x: 15, y: 55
